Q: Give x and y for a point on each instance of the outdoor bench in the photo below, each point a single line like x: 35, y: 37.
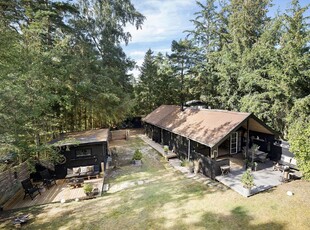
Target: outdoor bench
x: 83, y: 171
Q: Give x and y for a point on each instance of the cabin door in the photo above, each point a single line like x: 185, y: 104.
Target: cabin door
x: 234, y: 143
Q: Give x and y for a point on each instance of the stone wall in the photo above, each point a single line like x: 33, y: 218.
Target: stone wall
x: 10, y: 181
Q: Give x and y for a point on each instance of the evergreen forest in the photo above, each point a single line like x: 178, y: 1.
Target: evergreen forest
x: 63, y: 68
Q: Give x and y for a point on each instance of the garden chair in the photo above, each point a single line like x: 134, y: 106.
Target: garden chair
x: 48, y: 179
x: 29, y: 188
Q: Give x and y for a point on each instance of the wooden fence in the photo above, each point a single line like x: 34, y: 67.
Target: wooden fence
x: 120, y: 134
x: 10, y: 181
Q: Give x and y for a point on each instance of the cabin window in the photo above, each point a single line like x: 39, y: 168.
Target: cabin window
x: 83, y: 152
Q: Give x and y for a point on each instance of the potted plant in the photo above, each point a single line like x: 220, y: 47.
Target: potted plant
x: 246, y: 164
x: 247, y: 180
x: 166, y: 149
x: 188, y: 164
x: 255, y: 166
x: 184, y: 162
x: 137, y: 156
x: 253, y: 151
x: 88, y: 188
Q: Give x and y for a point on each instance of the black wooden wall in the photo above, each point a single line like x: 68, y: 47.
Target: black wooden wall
x: 98, y: 155
x: 265, y: 141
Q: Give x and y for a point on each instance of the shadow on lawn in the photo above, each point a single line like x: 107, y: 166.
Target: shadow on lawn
x: 237, y: 219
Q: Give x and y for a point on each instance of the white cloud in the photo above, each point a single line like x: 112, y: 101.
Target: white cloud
x: 163, y: 50
x: 136, y: 53
x: 164, y: 19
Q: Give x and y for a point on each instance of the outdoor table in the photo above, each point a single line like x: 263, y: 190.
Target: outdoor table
x: 258, y: 153
x: 75, y: 182
x: 225, y: 169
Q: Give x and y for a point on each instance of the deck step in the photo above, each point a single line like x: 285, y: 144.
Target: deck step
x: 171, y: 156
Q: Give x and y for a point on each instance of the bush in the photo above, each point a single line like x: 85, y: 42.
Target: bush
x: 247, y: 179
x: 137, y: 155
x: 185, y: 162
x: 299, y: 139
x: 88, y: 188
x: 188, y: 164
x: 299, y: 134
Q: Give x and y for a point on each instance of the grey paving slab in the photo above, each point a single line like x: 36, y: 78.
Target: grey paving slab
x: 264, y: 179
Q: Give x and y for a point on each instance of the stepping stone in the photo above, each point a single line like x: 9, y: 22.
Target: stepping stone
x: 201, y: 180
x: 206, y: 183
x: 212, y: 184
x: 190, y: 176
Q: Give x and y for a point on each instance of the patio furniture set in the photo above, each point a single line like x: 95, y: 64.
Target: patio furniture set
x: 83, y: 172
x: 76, y: 175
x: 34, y: 189
x: 225, y: 169
x: 259, y: 156
x: 75, y: 178
x: 75, y: 182
x: 289, y: 173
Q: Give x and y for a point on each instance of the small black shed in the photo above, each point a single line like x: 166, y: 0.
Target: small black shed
x: 82, y: 149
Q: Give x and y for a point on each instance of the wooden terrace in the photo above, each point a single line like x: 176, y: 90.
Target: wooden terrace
x: 56, y: 193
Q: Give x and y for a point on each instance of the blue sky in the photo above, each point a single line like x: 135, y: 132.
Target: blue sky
x: 165, y: 21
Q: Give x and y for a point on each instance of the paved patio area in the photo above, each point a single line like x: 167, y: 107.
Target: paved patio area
x: 264, y: 179
x: 54, y: 194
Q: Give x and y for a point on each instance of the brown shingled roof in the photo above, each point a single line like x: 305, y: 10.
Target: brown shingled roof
x: 202, y: 125
x: 84, y: 137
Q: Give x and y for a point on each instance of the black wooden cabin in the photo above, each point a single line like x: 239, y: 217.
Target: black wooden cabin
x: 84, y: 148
x: 206, y: 134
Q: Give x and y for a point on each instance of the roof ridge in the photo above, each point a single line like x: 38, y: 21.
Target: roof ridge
x: 218, y: 110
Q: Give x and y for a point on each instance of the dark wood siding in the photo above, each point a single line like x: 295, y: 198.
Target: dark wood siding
x: 181, y: 145
x: 156, y: 134
x: 98, y: 155
x: 199, y: 148
x: 280, y: 147
x: 265, y: 141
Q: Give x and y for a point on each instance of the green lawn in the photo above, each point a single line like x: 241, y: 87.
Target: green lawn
x: 155, y: 197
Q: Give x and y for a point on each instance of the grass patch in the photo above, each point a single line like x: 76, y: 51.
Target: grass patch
x: 158, y: 198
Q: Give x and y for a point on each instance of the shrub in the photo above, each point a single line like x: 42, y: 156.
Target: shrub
x: 247, y: 179
x: 88, y: 188
x: 189, y: 164
x: 299, y: 139
x: 185, y: 162
x: 137, y: 155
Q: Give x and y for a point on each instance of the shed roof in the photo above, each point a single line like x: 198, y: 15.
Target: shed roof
x: 84, y: 137
x: 205, y: 126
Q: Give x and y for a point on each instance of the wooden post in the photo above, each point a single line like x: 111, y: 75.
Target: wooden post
x: 188, y: 149
x: 214, y: 152
x: 126, y: 134
x: 247, y: 138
